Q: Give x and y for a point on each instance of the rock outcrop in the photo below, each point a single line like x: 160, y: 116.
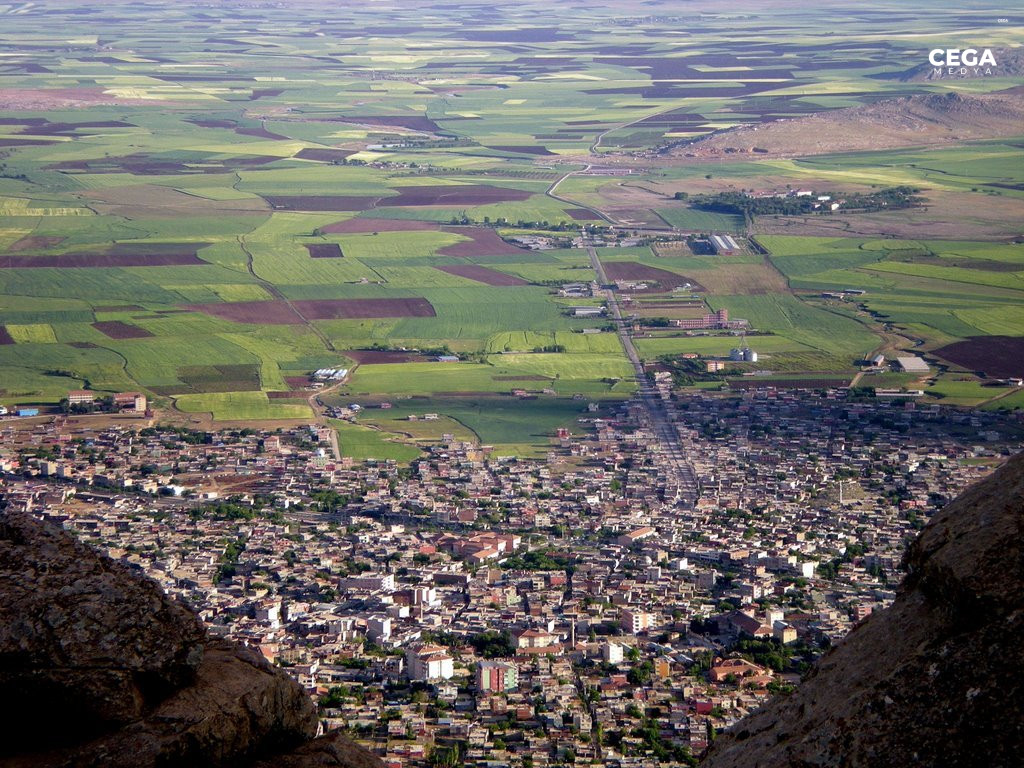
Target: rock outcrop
x: 98, y: 667
x: 934, y: 680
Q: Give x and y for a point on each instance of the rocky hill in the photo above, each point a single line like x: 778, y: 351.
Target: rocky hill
x: 99, y: 668
x: 912, y: 121
x: 935, y: 680
x: 1009, y: 63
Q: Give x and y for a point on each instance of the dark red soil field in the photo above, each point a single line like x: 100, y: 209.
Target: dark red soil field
x: 109, y: 259
x: 279, y: 313
x: 325, y: 251
x: 297, y: 382
x: 363, y: 226
x: 412, y: 122
x: 265, y: 93
x: 482, y: 274
x: 261, y: 133
x: 1001, y: 356
x: 380, y: 356
x: 483, y: 242
x: 5, y: 337
x: 286, y: 396
x: 157, y: 165
x: 631, y: 270
x: 320, y: 202
x: 35, y: 243
x: 460, y: 194
x: 255, y: 312
x: 115, y: 329
x: 581, y: 214
x: 323, y: 155
x: 335, y: 309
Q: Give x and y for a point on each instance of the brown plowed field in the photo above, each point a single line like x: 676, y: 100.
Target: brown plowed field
x: 254, y: 312
x: 379, y: 356
x: 483, y: 242
x: 337, y: 309
x: 482, y: 274
x: 5, y: 337
x: 581, y: 214
x: 115, y: 329
x: 323, y: 155
x: 325, y: 251
x: 92, y: 260
x: 631, y: 270
x: 1001, y: 356
x: 320, y: 202
x: 35, y: 243
x: 279, y: 313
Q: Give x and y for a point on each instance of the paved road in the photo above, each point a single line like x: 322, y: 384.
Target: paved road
x: 679, y: 470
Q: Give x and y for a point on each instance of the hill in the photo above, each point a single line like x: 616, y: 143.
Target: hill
x: 1009, y: 63
x: 100, y: 668
x: 928, y: 681
x: 923, y: 120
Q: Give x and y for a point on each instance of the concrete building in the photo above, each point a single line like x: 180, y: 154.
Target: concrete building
x: 612, y: 653
x: 429, y: 662
x: 496, y: 676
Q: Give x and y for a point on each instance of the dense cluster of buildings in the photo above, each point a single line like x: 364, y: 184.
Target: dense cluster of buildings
x: 510, y: 612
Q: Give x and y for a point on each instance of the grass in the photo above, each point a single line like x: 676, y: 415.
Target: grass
x: 360, y: 442
x: 241, y: 406
x: 37, y: 333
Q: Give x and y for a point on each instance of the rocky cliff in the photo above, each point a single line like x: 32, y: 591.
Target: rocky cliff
x: 98, y: 667
x: 935, y: 680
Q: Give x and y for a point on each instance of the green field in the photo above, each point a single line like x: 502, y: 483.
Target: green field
x: 206, y: 214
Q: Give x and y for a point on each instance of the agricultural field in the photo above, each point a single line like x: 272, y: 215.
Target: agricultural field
x: 207, y: 215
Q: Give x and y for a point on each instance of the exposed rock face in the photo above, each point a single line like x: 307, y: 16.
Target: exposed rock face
x: 99, y: 668
x: 936, y: 679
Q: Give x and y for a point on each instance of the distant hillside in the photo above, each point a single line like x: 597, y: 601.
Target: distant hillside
x: 905, y: 122
x: 1009, y: 63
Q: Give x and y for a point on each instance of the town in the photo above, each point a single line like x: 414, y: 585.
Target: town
x: 477, y: 610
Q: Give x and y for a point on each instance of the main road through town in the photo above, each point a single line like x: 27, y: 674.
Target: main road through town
x: 679, y: 471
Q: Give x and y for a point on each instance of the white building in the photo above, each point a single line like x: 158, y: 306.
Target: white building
x: 635, y: 621
x: 429, y: 662
x: 612, y: 653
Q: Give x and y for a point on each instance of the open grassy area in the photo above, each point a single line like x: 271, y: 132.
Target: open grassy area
x: 205, y: 214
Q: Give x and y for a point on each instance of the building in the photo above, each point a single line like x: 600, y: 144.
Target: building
x: 612, y: 653
x: 370, y: 582
x: 718, y: 320
x: 535, y: 638
x: 496, y: 676
x: 635, y: 621
x: 714, y: 366
x: 80, y: 397
x: 628, y: 539
x: 742, y: 355
x: 724, y: 245
x: 428, y: 662
x: 130, y: 401
x: 911, y: 364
